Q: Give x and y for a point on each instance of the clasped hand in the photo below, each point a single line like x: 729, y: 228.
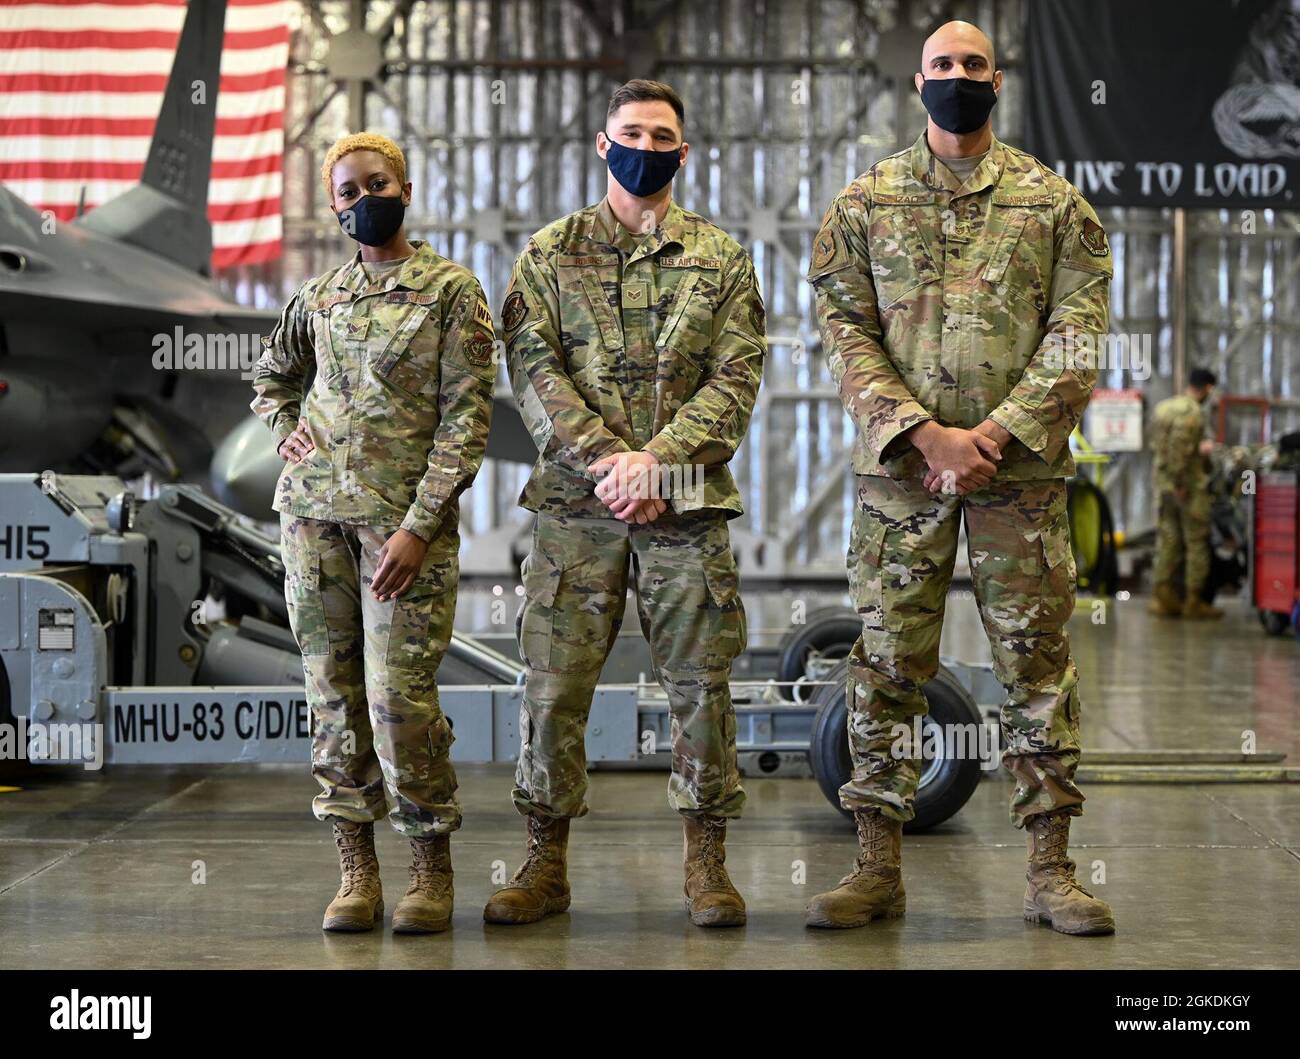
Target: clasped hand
x: 627, y: 486
x: 959, y: 460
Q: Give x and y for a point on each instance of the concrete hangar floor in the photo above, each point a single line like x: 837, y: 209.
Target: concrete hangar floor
x: 97, y: 868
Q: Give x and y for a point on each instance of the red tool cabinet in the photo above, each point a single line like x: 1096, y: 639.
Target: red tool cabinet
x: 1276, y: 581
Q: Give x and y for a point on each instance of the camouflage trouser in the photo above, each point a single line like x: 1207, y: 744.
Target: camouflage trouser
x: 1183, y: 539
x: 575, y: 588
x: 901, y: 554
x: 380, y: 742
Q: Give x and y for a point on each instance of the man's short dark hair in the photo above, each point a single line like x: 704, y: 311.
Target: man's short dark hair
x: 1202, y: 377
x: 641, y: 90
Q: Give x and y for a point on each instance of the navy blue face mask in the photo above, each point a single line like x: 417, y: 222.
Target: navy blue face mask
x: 374, y: 219
x: 642, y: 173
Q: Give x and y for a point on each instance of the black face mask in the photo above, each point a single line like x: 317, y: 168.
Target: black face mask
x: 958, y: 104
x: 374, y: 220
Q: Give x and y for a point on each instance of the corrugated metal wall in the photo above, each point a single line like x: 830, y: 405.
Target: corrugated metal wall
x: 496, y: 103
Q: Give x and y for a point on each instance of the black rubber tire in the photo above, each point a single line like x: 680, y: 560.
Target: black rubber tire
x: 1275, y: 623
x: 826, y: 631
x: 936, y: 800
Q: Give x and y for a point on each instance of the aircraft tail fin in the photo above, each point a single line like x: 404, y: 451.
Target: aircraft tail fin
x: 167, y: 212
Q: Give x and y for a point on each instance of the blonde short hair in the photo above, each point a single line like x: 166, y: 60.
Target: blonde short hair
x: 361, y: 141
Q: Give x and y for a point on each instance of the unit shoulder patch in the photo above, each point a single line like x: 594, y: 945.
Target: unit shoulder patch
x: 827, y: 251
x: 478, y: 349
x: 1093, y: 237
x: 514, y: 311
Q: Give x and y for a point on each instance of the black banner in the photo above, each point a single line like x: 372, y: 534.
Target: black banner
x: 1167, y: 102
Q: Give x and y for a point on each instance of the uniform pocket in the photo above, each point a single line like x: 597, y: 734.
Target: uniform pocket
x: 866, y: 582
x: 303, y: 599
x: 406, y: 361
x: 1014, y: 270
x: 685, y: 309
x: 1058, y: 574
x: 1057, y: 546
x: 590, y: 327
x: 541, y: 576
x: 722, y: 578
x: 900, y: 259
x: 891, y: 582
x: 409, y: 646
x: 730, y: 629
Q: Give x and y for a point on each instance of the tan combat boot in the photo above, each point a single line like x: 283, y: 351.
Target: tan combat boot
x: 540, y: 887
x: 425, y: 908
x: 1053, y: 895
x: 359, y: 904
x: 1165, y: 602
x: 874, y: 888
x: 1197, y: 610
x: 711, y: 900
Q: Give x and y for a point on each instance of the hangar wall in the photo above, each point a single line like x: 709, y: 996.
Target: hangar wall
x: 496, y: 103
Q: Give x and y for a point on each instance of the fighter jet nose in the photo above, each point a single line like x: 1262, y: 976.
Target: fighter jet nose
x: 245, y: 469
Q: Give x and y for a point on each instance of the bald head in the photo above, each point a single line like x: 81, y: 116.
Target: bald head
x: 958, y: 49
x: 958, y: 83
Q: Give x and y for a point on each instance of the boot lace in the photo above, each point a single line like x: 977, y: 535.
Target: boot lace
x: 711, y: 873
x: 430, y: 872
x: 357, y: 861
x: 541, y: 838
x: 873, y: 845
x: 1053, y: 857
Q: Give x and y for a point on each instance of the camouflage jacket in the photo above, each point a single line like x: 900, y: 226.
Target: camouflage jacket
x: 401, y: 400
x: 620, y: 342
x: 1176, y: 432
x: 961, y: 302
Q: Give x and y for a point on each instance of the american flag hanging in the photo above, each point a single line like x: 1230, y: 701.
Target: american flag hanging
x: 80, y: 89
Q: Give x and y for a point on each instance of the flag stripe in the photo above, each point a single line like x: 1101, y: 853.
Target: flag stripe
x: 115, y: 150
x: 237, y: 66
x: 123, y: 128
x: 92, y: 81
x: 62, y: 40
x: 241, y: 15
x: 131, y: 104
x: 40, y: 170
x: 38, y: 193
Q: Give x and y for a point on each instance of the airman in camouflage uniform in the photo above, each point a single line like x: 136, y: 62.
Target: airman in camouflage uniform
x: 397, y: 417
x: 619, y: 342
x: 1183, y: 495
x: 968, y: 303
